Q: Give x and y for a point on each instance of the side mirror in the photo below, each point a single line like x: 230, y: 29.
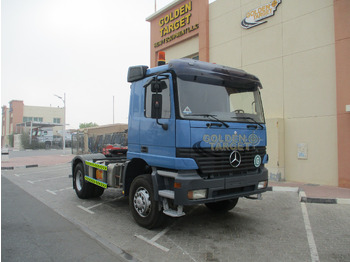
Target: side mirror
x: 136, y: 73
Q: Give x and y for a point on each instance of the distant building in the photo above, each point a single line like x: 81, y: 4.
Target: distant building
x: 19, y: 115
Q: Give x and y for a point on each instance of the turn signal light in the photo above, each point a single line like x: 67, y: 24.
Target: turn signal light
x: 177, y: 185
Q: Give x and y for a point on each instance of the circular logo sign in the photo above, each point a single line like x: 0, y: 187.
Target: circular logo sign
x: 257, y: 161
x: 253, y: 139
x: 235, y: 159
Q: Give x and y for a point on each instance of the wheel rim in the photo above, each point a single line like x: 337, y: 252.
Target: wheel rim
x: 79, y: 180
x: 142, y: 202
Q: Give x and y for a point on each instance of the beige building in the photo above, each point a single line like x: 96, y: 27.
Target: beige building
x: 15, y: 117
x: 300, y: 50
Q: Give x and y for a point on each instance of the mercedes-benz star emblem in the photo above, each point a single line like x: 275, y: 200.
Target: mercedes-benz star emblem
x: 235, y: 159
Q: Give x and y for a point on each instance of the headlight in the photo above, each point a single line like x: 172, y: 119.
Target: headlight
x: 197, y: 194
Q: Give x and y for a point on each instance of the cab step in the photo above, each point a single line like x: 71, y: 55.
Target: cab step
x: 174, y: 213
x: 167, y: 195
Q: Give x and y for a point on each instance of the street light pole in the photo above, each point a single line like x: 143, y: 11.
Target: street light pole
x: 64, y: 121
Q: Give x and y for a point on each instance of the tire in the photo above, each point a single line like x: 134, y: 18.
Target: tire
x: 222, y: 206
x: 98, y: 191
x: 144, y: 209
x: 83, y: 189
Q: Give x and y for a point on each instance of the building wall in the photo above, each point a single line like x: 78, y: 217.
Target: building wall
x: 47, y: 113
x: 185, y: 21
x: 342, y: 50
x: 293, y: 54
x: 15, y: 115
x: 107, y: 129
x: 101, y: 130
x: 5, y: 128
x: 183, y: 49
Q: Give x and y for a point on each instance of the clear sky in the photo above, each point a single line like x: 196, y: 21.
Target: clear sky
x: 79, y: 47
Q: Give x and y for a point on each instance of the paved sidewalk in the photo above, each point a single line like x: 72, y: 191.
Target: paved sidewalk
x: 311, y: 193
x: 34, y: 161
x: 308, y: 193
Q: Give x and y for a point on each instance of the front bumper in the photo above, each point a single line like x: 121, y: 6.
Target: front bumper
x: 218, y: 189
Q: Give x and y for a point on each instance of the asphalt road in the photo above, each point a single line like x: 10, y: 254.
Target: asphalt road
x: 277, y: 228
x: 31, y: 231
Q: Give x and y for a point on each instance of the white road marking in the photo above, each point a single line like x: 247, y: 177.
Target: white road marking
x: 59, y: 190
x: 87, y: 209
x: 160, y: 234
x: 42, y: 171
x: 52, y: 192
x: 155, y: 238
x: 45, y: 179
x: 183, y: 251
x: 310, y: 236
x: 153, y: 243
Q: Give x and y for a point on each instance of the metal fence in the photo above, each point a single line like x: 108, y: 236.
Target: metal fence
x: 77, y: 143
x: 97, y: 142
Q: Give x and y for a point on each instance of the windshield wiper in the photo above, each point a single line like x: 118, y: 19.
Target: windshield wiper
x: 249, y: 118
x: 212, y: 116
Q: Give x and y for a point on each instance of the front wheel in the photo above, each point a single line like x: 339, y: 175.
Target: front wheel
x: 144, y: 209
x: 222, y: 206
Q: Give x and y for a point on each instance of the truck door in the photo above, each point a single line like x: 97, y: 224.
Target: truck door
x: 157, y: 129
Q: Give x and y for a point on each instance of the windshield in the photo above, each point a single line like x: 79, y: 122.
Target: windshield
x: 227, y: 103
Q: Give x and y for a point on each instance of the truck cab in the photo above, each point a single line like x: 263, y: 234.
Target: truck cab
x: 196, y: 135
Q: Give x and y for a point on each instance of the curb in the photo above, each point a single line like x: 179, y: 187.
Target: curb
x: 305, y: 199
x: 17, y: 167
x: 28, y: 166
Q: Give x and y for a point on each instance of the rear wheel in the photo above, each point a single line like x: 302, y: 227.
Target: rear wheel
x: 98, y: 191
x: 144, y: 209
x: 82, y: 188
x: 222, y: 206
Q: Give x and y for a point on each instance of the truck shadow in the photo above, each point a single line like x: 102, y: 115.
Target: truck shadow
x: 203, y: 223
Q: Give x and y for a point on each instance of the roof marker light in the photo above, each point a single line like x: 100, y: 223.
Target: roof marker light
x: 161, y: 58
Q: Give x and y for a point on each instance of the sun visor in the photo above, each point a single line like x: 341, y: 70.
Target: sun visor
x: 203, y: 72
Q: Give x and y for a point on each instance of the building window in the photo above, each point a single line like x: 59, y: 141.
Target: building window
x: 30, y: 119
x: 57, y: 120
x: 27, y: 119
x: 38, y: 119
x: 163, y: 97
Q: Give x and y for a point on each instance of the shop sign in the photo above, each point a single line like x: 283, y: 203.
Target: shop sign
x: 255, y: 16
x: 176, y: 24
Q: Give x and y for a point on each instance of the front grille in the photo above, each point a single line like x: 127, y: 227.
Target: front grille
x: 217, y: 163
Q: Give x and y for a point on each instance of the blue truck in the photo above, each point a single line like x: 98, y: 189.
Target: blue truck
x: 196, y: 135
